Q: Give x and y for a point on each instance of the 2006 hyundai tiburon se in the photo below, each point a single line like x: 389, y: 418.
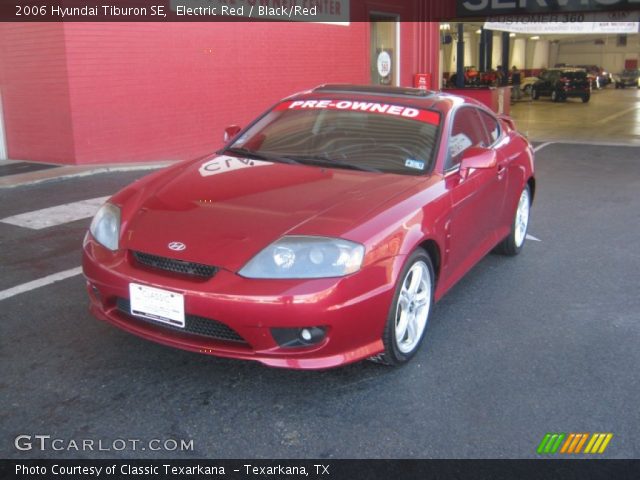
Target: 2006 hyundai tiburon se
x: 321, y: 234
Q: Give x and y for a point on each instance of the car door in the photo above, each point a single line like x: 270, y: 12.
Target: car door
x: 476, y: 199
x: 509, y: 180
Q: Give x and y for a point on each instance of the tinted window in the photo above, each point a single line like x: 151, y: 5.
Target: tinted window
x: 387, y: 142
x: 466, y: 131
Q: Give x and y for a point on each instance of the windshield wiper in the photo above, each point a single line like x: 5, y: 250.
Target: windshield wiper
x: 245, y: 152
x: 315, y: 159
x: 339, y: 164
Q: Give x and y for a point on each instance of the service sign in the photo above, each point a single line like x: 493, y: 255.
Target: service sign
x: 552, y: 25
x: 488, y: 8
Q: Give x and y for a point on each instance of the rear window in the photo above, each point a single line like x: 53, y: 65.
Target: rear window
x: 575, y: 75
x: 371, y: 135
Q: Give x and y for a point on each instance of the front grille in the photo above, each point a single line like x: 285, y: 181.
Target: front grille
x: 204, y: 327
x: 173, y: 265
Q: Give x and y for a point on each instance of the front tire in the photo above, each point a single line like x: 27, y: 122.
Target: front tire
x: 513, y: 243
x: 585, y: 98
x: 410, y: 311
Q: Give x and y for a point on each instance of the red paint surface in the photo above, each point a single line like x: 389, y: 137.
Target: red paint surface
x: 123, y: 92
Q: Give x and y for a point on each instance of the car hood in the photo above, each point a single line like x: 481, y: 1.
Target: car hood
x: 227, y: 209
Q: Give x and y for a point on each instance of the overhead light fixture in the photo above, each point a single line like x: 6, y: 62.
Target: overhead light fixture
x: 478, y: 31
x: 512, y: 34
x: 445, y: 26
x: 535, y: 37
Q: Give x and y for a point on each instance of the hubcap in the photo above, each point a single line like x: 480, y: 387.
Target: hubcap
x: 522, y: 218
x: 413, y: 307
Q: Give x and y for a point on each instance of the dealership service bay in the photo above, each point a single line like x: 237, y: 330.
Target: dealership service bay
x: 546, y: 341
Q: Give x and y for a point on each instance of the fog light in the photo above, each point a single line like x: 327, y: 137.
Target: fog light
x: 305, y: 334
x: 298, y: 337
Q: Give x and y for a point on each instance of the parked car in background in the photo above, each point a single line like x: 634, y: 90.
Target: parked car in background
x: 527, y: 83
x: 562, y: 83
x: 598, y: 77
x: 321, y: 234
x: 627, y: 78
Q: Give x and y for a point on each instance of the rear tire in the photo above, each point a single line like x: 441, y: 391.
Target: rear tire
x: 535, y: 95
x: 512, y: 244
x: 410, y: 310
x: 585, y: 98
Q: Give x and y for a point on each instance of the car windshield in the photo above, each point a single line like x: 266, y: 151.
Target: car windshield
x: 345, y: 134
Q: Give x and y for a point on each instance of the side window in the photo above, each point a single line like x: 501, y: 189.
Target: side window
x: 466, y: 131
x: 491, y: 125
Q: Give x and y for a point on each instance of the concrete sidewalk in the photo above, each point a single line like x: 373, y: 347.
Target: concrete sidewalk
x: 69, y: 171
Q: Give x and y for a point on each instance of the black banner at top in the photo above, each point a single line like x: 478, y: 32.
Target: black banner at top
x: 175, y: 10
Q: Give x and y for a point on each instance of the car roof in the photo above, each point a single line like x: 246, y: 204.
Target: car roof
x: 413, y: 97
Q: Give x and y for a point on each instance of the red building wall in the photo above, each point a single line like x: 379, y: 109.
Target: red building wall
x: 35, y: 92
x: 119, y: 92
x: 166, y: 91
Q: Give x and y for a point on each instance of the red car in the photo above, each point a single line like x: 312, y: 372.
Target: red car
x: 321, y: 234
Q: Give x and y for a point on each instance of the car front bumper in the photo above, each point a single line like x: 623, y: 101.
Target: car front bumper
x: 352, y: 310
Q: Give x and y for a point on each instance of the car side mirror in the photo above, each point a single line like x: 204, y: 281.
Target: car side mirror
x: 231, y: 131
x: 477, y: 157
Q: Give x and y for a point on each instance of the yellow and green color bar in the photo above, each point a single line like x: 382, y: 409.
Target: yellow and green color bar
x: 573, y: 442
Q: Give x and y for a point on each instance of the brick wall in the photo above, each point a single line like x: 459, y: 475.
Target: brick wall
x: 165, y: 91
x: 35, y: 92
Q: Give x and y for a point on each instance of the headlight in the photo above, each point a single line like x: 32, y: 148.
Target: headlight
x: 105, y: 226
x: 305, y: 257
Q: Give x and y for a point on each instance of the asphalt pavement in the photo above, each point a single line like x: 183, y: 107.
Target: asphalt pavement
x: 543, y: 342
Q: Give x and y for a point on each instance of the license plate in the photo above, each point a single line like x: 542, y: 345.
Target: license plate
x: 157, y: 304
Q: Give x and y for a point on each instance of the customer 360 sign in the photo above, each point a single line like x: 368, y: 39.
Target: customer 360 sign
x: 480, y: 8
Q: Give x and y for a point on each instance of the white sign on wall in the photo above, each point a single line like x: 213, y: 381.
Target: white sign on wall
x: 384, y: 64
x: 545, y: 24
